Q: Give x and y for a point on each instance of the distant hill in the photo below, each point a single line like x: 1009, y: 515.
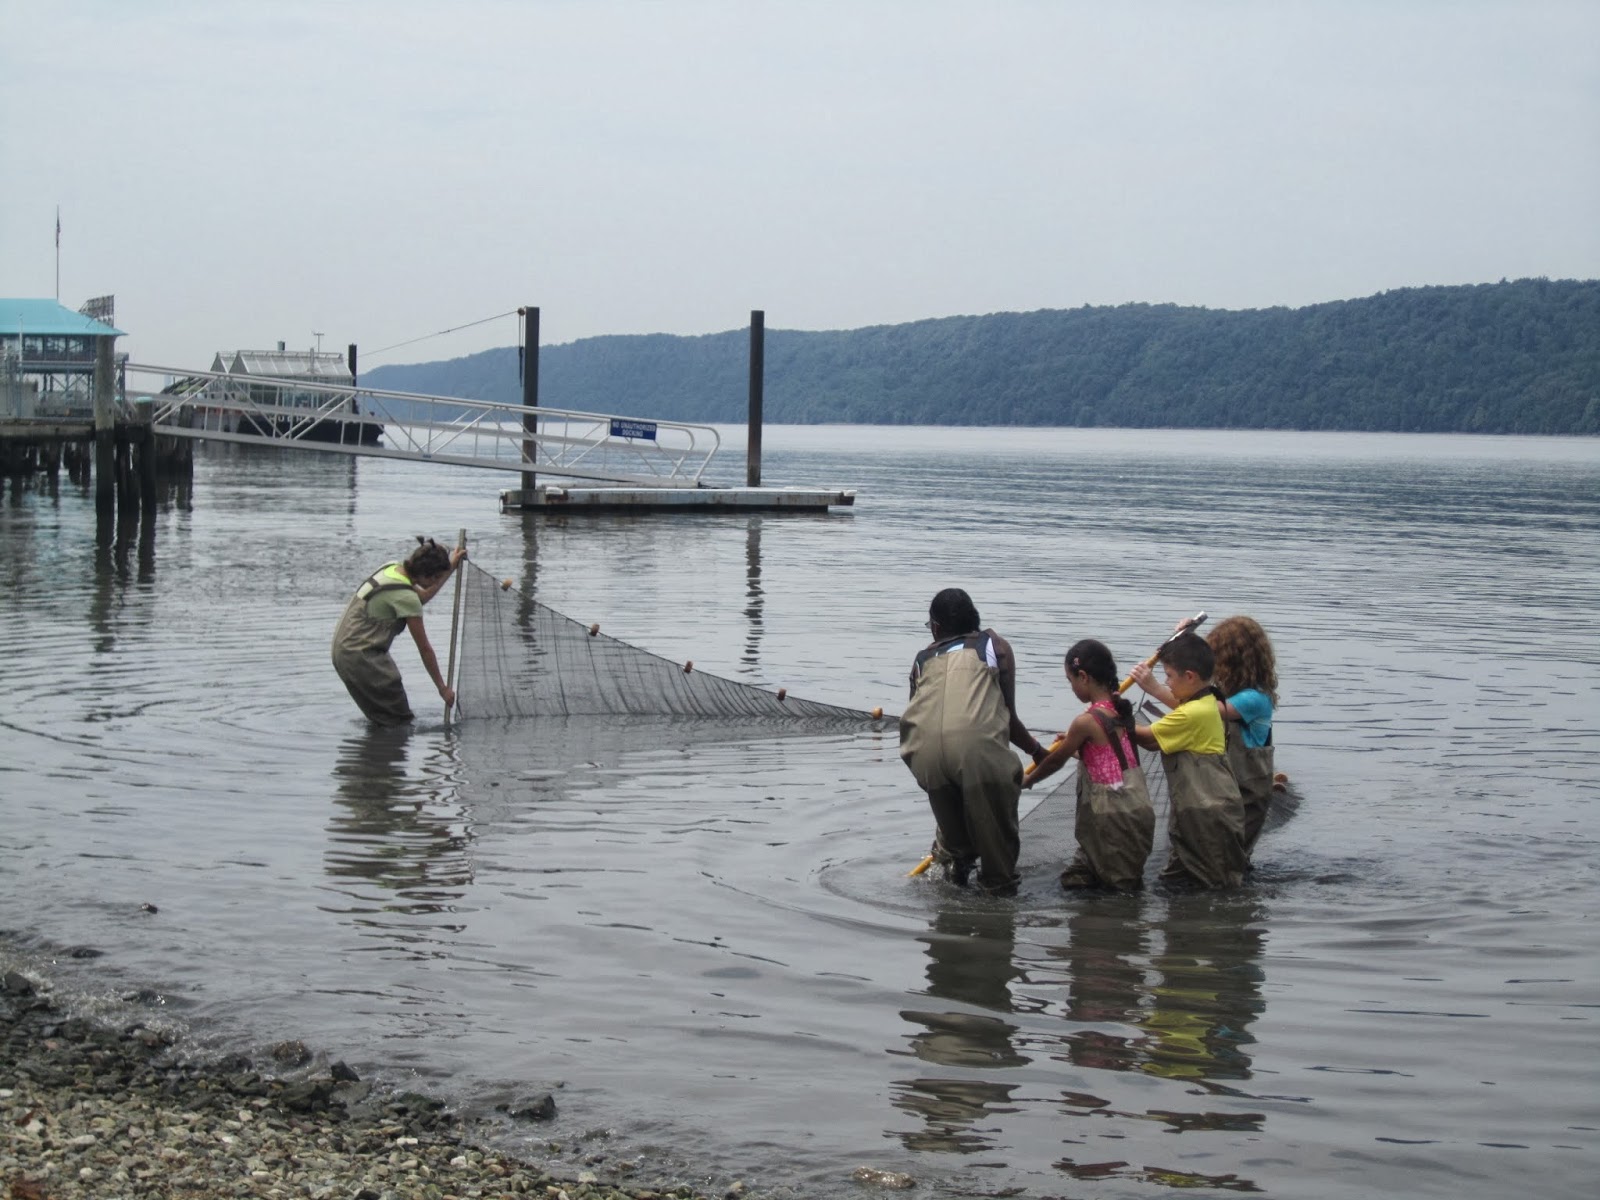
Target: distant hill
x: 1518, y: 357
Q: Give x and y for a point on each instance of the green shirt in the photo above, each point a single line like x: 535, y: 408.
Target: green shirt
x: 395, y: 603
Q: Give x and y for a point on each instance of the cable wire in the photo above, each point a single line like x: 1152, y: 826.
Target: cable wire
x: 440, y: 333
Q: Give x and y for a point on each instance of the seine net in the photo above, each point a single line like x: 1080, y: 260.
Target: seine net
x: 516, y: 657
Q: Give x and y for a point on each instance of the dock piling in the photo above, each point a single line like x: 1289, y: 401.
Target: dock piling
x: 530, y: 393
x: 105, y: 424
x: 758, y: 337
x: 144, y: 437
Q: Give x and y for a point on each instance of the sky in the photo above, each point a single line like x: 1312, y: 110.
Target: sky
x: 237, y: 173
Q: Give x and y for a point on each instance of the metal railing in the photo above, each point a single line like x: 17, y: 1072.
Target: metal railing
x: 444, y: 429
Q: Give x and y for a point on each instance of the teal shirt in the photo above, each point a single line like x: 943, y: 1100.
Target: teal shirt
x: 1255, y: 709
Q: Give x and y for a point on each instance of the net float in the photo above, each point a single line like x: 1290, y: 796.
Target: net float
x: 594, y: 629
x: 877, y: 712
x: 688, y: 666
x: 505, y: 585
x: 782, y: 692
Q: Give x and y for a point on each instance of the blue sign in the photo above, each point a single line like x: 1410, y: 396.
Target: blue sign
x: 633, y: 429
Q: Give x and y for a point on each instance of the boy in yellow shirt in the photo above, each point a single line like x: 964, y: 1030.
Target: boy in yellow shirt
x: 1206, y: 820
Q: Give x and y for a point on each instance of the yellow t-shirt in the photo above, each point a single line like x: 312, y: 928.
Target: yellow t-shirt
x: 1194, y: 725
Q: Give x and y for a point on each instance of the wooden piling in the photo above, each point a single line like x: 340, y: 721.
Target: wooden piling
x: 530, y: 393
x: 127, y: 488
x: 105, y: 424
x: 144, y: 436
x: 752, y: 456
x: 350, y: 431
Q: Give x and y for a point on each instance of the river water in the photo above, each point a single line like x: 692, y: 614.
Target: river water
x: 706, y: 935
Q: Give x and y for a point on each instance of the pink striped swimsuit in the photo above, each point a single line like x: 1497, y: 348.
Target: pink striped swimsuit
x: 1101, y: 761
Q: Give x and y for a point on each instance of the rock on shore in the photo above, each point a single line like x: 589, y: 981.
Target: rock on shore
x: 92, y: 1112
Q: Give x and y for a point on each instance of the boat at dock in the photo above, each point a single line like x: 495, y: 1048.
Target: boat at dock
x: 282, y: 393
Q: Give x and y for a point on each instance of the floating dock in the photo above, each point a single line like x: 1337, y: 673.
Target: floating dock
x: 553, y: 498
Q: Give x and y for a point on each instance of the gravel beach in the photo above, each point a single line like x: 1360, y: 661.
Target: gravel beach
x: 112, y: 1110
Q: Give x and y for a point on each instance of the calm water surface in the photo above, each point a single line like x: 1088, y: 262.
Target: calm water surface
x: 706, y: 934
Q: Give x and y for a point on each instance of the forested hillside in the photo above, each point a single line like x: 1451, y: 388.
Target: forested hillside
x: 1519, y: 357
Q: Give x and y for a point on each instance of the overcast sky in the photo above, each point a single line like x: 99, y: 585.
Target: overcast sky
x: 241, y: 173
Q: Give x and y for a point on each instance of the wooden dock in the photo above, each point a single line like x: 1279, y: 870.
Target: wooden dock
x: 27, y: 446
x: 553, y: 498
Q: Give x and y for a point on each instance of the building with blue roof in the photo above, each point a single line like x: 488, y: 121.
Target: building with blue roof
x: 47, y: 355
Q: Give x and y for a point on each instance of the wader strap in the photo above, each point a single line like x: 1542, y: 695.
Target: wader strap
x: 966, y: 641
x: 372, y: 587
x: 1111, y: 725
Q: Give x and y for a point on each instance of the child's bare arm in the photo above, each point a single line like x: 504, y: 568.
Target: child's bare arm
x: 1046, y: 766
x: 1144, y: 736
x: 1145, y: 678
x: 1066, y: 745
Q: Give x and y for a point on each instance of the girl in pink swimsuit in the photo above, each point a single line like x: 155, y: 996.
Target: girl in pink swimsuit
x: 1115, y: 825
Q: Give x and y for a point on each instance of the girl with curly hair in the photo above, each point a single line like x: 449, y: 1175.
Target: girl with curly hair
x: 1247, y: 675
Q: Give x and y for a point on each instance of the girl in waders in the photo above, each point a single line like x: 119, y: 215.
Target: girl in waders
x: 1247, y: 674
x: 1115, y: 825
x: 956, y: 736
x: 391, y: 600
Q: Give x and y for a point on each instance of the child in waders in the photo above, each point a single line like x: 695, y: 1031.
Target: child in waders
x: 391, y: 600
x: 1115, y: 825
x: 956, y: 736
x: 1247, y: 674
x: 1206, y: 822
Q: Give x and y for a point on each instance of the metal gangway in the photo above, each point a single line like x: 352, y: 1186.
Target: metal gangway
x: 331, y: 418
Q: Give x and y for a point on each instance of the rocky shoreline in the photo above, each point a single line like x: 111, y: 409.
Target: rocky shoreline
x: 109, y: 1111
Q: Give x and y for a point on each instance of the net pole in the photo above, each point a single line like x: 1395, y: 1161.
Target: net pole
x: 455, y: 628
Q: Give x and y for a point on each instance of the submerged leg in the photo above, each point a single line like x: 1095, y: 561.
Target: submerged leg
x: 953, y: 848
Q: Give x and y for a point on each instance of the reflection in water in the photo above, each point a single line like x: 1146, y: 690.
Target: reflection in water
x: 1179, y: 981
x: 970, y: 961
x: 117, y: 536
x: 176, y: 491
x: 1107, y: 960
x: 1209, y: 989
x: 398, y: 844
x: 1178, y: 975
x: 755, y: 598
x: 1148, y: 985
x: 530, y: 568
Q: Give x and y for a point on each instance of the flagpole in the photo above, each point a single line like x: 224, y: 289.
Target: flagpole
x: 58, y: 254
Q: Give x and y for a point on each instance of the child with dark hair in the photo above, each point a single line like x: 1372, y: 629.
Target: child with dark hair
x: 1114, y: 824
x: 1247, y: 676
x: 955, y: 736
x: 1206, y: 821
x: 390, y: 600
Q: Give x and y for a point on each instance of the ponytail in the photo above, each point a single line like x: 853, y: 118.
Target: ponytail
x: 427, y: 560
x: 1094, y: 660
